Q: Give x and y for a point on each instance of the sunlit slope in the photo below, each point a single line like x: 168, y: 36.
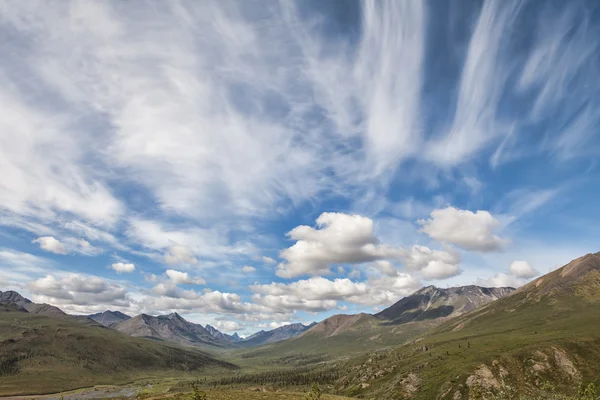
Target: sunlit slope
x: 547, y: 331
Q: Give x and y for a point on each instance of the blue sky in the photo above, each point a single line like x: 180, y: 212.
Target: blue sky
x: 248, y: 163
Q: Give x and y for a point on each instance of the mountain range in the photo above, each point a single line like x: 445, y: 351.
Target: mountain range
x: 440, y: 343
x: 275, y: 335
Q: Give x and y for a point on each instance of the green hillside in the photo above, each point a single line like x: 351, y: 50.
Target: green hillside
x: 41, y: 354
x: 543, y: 337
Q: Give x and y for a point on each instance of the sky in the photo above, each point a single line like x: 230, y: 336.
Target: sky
x: 253, y: 163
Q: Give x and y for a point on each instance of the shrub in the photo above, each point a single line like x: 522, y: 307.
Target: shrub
x: 315, y: 393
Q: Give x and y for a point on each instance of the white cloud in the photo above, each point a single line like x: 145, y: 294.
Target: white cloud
x: 519, y: 272
x: 268, y: 260
x: 79, y: 293
x: 342, y: 239
x: 227, y: 326
x: 469, y: 230
x: 121, y: 267
x: 247, y: 268
x: 433, y: 264
x: 180, y: 255
x: 501, y: 280
x: 178, y: 277
x: 522, y: 269
x: 320, y: 294
x: 51, y: 244
x: 385, y: 267
x: 481, y: 87
x: 275, y: 324
x: 184, y: 245
x: 81, y: 246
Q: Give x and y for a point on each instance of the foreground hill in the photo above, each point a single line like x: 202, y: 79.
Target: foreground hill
x: 432, y: 303
x: 172, y: 327
x: 543, y: 335
x: 41, y: 354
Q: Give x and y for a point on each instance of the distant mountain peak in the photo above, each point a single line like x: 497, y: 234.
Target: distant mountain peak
x: 275, y: 335
x: 109, y: 317
x: 430, y: 303
x: 10, y: 296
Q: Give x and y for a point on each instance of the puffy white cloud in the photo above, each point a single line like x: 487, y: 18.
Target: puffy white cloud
x: 522, y: 269
x: 519, y: 272
x: 227, y: 326
x: 501, y: 280
x: 178, y: 277
x: 274, y: 324
x: 464, y: 228
x: 342, y: 239
x: 385, y: 267
x: 319, y: 294
x: 121, y: 267
x: 433, y: 264
x: 49, y: 243
x: 168, y: 297
x: 67, y: 245
x: 78, y: 293
x: 248, y: 268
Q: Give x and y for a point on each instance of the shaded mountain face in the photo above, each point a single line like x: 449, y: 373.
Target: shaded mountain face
x: 170, y: 327
x: 12, y: 297
x: 431, y: 303
x: 222, y: 336
x: 275, y: 335
x: 108, y: 318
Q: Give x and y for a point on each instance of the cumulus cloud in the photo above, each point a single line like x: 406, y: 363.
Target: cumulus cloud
x: 385, y: 267
x: 319, y: 294
x: 340, y: 238
x: 79, y: 293
x: 433, y: 264
x: 522, y: 269
x: 49, y: 243
x: 519, y: 272
x: 121, y: 267
x: 274, y: 324
x: 178, y: 277
x: 227, y: 326
x: 247, y: 268
x: 469, y: 230
x: 501, y: 280
x: 168, y: 297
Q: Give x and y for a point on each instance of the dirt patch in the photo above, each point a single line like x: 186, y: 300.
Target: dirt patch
x: 409, y: 385
x: 565, y: 364
x: 483, y: 378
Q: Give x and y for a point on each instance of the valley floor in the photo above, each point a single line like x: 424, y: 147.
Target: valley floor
x: 161, y: 390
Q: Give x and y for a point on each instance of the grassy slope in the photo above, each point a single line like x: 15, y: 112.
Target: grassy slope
x: 366, y: 335
x: 510, y: 336
x: 40, y: 354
